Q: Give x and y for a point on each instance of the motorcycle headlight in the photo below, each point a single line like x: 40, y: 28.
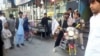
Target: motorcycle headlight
x: 71, y: 33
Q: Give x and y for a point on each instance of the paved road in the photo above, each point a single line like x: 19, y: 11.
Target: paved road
x: 40, y: 48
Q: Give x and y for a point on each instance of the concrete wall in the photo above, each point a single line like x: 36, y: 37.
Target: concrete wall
x: 73, y: 5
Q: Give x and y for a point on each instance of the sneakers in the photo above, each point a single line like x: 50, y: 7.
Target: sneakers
x: 11, y: 47
x: 18, y: 46
x: 54, y: 49
x: 82, y: 47
x: 22, y: 44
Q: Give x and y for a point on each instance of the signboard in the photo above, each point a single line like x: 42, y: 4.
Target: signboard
x: 19, y: 2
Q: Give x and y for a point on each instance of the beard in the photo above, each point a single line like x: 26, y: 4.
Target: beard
x: 94, y: 11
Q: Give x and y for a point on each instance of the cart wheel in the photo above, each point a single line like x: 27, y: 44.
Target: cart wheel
x: 30, y: 37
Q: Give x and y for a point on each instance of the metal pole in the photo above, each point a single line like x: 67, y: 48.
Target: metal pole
x: 32, y: 11
x: 36, y: 9
x: 66, y: 6
x: 35, y: 13
x: 46, y: 5
x: 79, y: 5
x: 42, y: 3
x: 55, y: 10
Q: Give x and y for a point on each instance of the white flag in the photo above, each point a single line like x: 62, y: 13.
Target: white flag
x: 55, y: 25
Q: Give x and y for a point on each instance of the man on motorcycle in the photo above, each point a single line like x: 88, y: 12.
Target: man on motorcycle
x: 63, y: 24
x: 79, y: 24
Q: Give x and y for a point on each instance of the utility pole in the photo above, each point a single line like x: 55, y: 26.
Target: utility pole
x: 46, y: 5
x: 55, y: 16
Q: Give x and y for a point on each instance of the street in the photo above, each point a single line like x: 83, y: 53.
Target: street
x: 40, y: 47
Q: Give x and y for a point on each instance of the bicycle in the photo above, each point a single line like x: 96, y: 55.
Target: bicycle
x: 31, y: 34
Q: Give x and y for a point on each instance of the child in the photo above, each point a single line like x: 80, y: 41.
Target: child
x: 6, y: 37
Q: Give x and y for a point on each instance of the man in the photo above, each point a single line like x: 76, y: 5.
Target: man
x: 1, y: 41
x: 70, y: 12
x: 93, y: 45
x: 54, y: 28
x: 63, y: 24
x: 44, y: 23
x: 20, y: 30
x: 80, y: 28
x: 11, y: 25
x: 26, y: 27
x: 2, y: 22
x: 2, y: 18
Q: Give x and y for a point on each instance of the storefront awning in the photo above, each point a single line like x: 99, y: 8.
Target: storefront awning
x: 20, y: 2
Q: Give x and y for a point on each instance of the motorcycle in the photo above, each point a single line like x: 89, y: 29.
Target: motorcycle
x: 69, y: 40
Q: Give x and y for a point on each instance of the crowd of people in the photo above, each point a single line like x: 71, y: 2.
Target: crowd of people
x: 69, y: 19
x: 72, y: 19
x: 18, y: 29
x: 13, y: 32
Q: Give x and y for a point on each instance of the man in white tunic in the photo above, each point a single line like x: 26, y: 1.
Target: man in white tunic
x: 19, y: 30
x: 2, y: 18
x: 93, y: 45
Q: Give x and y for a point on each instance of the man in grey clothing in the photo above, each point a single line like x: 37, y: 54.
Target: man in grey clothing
x: 11, y: 23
